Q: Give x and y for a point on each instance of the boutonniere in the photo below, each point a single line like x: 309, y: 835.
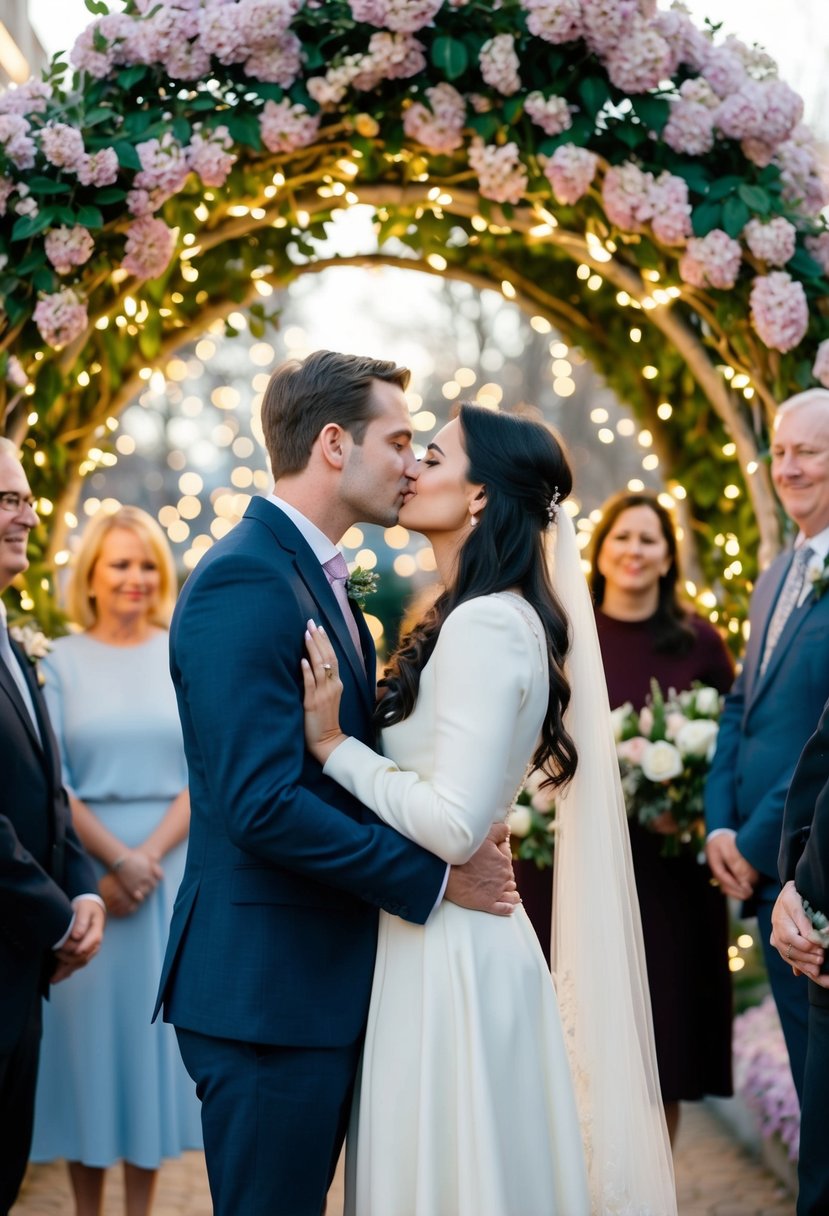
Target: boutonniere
x: 817, y: 575
x: 359, y: 584
x: 34, y: 644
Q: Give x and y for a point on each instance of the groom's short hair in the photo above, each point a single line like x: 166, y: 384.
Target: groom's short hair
x: 305, y: 395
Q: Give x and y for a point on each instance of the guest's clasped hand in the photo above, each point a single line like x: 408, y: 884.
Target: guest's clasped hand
x: 736, y: 876
x: 135, y: 876
x: 792, y: 936
x: 83, y: 942
x: 323, y: 692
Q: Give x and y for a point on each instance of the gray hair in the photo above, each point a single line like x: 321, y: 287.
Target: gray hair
x: 812, y: 396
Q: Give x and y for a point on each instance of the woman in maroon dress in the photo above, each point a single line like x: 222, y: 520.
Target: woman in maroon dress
x: 645, y: 633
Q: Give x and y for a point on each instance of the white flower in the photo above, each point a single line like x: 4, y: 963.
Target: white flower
x: 646, y: 721
x: 35, y: 645
x: 520, y: 820
x: 661, y: 762
x: 618, y: 717
x: 674, y: 723
x: 697, y: 738
x: 543, y: 800
x: 707, y: 701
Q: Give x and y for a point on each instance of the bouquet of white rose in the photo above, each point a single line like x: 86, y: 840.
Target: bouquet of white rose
x: 532, y: 822
x: 664, y: 756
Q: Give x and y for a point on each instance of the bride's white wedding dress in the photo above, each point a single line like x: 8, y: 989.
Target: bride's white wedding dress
x: 465, y: 1105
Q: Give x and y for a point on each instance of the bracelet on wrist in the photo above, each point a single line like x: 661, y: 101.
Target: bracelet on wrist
x: 119, y: 861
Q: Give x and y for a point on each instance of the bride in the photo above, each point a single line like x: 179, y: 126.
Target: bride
x: 481, y: 1093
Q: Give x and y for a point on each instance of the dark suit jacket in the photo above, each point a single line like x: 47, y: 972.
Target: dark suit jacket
x: 42, y: 863
x: 766, y: 722
x: 274, y: 928
x: 804, y: 847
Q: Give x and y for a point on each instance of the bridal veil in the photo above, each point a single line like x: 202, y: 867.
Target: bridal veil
x: 597, y: 953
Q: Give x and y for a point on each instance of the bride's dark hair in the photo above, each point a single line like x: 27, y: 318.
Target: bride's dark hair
x: 522, y: 467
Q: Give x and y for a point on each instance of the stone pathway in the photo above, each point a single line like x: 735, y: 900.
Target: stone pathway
x: 715, y: 1177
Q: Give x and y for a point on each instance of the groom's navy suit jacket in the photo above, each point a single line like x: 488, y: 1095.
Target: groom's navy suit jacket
x: 766, y: 722
x: 42, y: 863
x: 274, y: 929
x: 804, y: 848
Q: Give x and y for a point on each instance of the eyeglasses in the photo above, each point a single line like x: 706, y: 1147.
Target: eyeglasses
x: 11, y: 501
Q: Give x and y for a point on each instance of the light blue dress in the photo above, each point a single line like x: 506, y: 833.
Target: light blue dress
x: 111, y: 1086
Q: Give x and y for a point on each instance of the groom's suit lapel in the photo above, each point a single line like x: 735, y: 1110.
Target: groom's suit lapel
x: 311, y: 573
x: 760, y: 684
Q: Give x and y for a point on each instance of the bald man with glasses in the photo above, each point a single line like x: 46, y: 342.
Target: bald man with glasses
x: 51, y: 922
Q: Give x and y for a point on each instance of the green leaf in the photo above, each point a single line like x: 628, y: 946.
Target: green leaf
x: 97, y: 115
x: 724, y: 186
x: 804, y: 265
x: 653, y: 111
x: 512, y: 108
x: 129, y: 77
x: 47, y: 185
x: 486, y: 125
x: 97, y: 7
x: 90, y: 217
x: 594, y: 91
x: 43, y: 279
x: 48, y: 386
x: 631, y: 134
x: 128, y: 158
x: 696, y: 177
x: 705, y: 217
x: 450, y: 56
x: 34, y: 258
x: 244, y: 129
x: 149, y: 338
x: 735, y: 216
x: 755, y: 197
x: 111, y: 194
x: 273, y: 92
x: 182, y: 130
x: 27, y: 226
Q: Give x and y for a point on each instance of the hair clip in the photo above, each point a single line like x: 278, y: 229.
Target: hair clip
x: 553, y: 507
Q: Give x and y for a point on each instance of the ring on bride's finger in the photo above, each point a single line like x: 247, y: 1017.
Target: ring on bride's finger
x: 789, y: 952
x: 326, y: 667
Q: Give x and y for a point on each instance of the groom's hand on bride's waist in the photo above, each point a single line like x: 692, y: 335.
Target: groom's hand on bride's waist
x: 486, y: 882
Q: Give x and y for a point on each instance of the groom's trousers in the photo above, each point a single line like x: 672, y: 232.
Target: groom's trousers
x: 813, y: 1165
x: 274, y: 1120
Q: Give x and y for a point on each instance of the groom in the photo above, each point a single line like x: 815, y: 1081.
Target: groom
x: 269, y: 965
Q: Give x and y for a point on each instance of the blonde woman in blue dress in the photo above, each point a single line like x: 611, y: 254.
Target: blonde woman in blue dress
x: 483, y: 1092
x: 111, y: 1086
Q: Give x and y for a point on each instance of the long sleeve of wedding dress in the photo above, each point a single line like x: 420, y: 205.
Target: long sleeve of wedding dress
x: 485, y: 660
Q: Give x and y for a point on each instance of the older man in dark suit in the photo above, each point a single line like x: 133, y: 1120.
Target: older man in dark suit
x: 51, y: 923
x: 778, y: 697
x: 804, y: 872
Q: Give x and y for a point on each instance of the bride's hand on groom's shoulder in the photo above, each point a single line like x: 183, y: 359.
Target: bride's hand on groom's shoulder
x: 323, y: 692
x: 486, y: 882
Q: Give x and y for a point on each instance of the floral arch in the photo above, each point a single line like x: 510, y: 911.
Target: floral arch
x: 645, y: 185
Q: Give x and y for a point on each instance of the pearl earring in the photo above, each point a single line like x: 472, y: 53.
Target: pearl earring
x: 473, y: 520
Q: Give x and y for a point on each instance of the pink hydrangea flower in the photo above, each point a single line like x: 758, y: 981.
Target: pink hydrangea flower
x: 187, y: 61
x: 208, y: 155
x: 28, y: 98
x: 820, y: 368
x: 277, y: 64
x: 690, y: 127
x: 570, y: 172
x: 263, y: 23
x: 671, y: 220
x: 499, y: 64
x: 62, y: 145
x: 713, y: 260
x: 286, y: 127
x: 724, y: 71
x: 803, y: 185
x: 164, y: 170
x: 552, y: 114
x: 440, y: 126
x: 15, y: 374
x: 773, y: 241
x: 220, y: 35
x: 98, y: 168
x: 626, y: 194
x: 16, y: 142
x: 111, y: 30
x: 25, y: 205
x: 68, y: 247
x: 555, y: 21
x: 606, y: 22
x: 779, y: 310
x: 390, y: 57
x: 640, y: 59
x: 61, y: 317
x: 149, y: 247
x: 688, y: 44
x: 501, y: 176
x: 402, y: 16
x: 818, y: 247
x: 762, y: 110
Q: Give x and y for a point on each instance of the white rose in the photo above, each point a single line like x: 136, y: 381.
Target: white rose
x: 520, y: 820
x: 696, y: 738
x: 661, y: 762
x: 707, y: 701
x: 674, y: 723
x: 618, y: 719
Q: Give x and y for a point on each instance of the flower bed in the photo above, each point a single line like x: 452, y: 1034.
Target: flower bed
x: 763, y: 1078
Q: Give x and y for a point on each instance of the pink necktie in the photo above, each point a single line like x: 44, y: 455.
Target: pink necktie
x: 336, y: 571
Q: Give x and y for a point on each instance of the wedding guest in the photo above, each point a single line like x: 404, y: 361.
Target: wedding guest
x: 777, y: 699
x: 112, y: 1086
x: 646, y: 633
x: 51, y: 921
